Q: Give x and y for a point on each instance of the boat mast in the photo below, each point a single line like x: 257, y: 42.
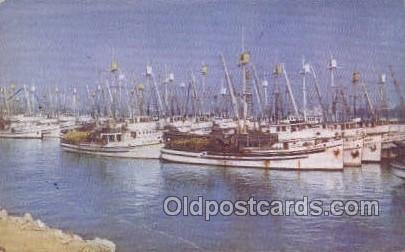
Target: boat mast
x: 265, y: 85
x: 75, y: 102
x: 243, y: 62
x: 128, y: 101
x: 337, y: 95
x: 194, y: 97
x: 334, y: 94
x: 304, y: 71
x: 183, y: 97
x: 221, y: 103
x: 28, y: 100
x: 383, y: 95
x: 113, y: 93
x: 166, y: 94
x: 57, y: 102
x: 110, y: 107
x: 141, y: 98
x: 4, y: 93
x: 318, y: 93
x: 231, y: 90
x: 367, y: 96
x: 277, y: 99
x: 204, y: 74
x: 12, y: 104
x: 399, y: 93
x: 170, y: 102
x: 149, y: 75
x: 290, y: 93
x: 355, y: 80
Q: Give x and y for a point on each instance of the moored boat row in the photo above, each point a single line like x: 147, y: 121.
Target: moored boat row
x: 246, y: 130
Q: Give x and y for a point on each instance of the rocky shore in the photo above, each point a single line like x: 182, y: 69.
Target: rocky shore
x: 24, y: 233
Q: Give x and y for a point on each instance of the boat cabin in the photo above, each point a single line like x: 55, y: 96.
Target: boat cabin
x: 111, y: 137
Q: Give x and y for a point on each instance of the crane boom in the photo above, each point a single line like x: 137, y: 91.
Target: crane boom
x: 194, y: 96
x: 231, y: 89
x: 318, y: 93
x: 258, y: 96
x: 370, y: 105
x: 291, y: 93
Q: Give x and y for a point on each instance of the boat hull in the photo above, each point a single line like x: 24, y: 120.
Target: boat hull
x: 331, y: 158
x: 398, y: 170
x: 353, y: 148
x: 22, y: 135
x: 151, y: 151
x: 388, y: 152
x: 372, y: 149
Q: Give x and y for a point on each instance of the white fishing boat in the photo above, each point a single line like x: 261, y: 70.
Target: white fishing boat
x: 34, y: 127
x: 352, y: 138
x: 22, y: 127
x: 255, y: 149
x: 22, y: 134
x: 56, y: 127
x: 326, y: 156
x: 136, y: 139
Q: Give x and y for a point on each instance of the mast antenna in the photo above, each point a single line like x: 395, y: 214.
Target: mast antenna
x: 243, y: 38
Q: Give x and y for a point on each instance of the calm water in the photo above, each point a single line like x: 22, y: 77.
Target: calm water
x: 121, y: 200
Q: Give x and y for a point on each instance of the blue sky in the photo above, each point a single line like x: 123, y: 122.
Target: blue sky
x: 67, y: 43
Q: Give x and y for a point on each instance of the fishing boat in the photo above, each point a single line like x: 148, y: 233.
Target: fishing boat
x: 138, y: 138
x: 22, y: 127
x: 305, y: 131
x: 250, y: 144
x: 34, y: 127
x: 55, y: 127
x: 22, y: 134
x: 254, y: 149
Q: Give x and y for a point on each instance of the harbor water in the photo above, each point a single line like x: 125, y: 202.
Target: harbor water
x: 122, y: 200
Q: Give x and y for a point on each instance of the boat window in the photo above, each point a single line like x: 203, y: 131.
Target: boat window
x: 133, y: 134
x: 111, y: 137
